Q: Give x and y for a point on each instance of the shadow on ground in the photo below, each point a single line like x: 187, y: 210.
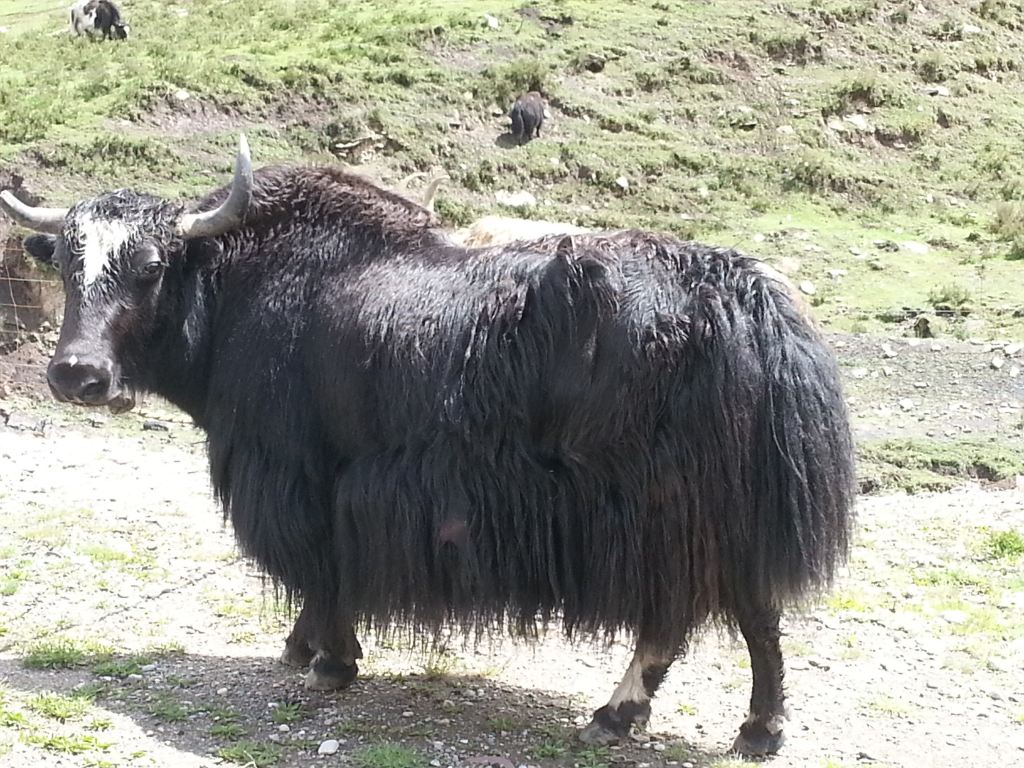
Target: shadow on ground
x: 194, y: 709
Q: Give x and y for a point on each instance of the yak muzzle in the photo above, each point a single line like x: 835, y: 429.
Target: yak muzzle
x: 82, y: 380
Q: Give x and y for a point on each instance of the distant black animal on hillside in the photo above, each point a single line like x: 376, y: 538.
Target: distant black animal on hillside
x: 527, y: 117
x: 618, y: 431
x: 98, y: 18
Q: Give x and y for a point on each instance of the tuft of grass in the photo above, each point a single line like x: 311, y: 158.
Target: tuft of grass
x: 251, y: 754
x: 504, y: 725
x: 549, y: 750
x: 865, y: 89
x: 935, y: 68
x: 687, y: 709
x: 287, y: 713
x: 64, y: 653
x: 950, y: 295
x: 10, y: 582
x: 951, y: 577
x: 887, y: 705
x: 818, y: 173
x: 501, y: 84
x: 1008, y: 225
x: 120, y: 666
x: 388, y: 755
x: 166, y: 707
x: 439, y: 665
x: 593, y: 757
x: 231, y: 731
x: 847, y: 601
x: 58, y: 706
x: 1004, y: 545
x: 69, y: 744
x: 10, y: 718
x: 793, y: 45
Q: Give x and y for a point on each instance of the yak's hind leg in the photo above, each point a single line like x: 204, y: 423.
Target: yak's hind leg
x: 762, y: 734
x: 630, y: 704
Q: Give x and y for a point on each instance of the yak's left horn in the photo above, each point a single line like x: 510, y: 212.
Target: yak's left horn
x: 231, y: 213
x: 431, y: 190
x: 48, y: 220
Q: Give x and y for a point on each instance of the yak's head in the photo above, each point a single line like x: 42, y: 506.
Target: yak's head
x: 121, y: 257
x: 120, y: 30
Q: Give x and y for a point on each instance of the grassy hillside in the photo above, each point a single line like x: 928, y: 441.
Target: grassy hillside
x: 869, y: 147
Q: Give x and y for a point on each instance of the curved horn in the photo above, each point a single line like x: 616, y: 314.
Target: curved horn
x: 431, y: 190
x: 232, y: 211
x: 404, y: 183
x: 48, y: 220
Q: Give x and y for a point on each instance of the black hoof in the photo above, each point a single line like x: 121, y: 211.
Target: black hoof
x: 327, y: 675
x: 297, y: 655
x: 755, y: 740
x: 610, y: 726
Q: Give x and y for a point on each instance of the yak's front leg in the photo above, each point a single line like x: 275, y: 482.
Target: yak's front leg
x: 325, y: 639
x: 630, y: 704
x: 762, y: 734
x: 298, y: 647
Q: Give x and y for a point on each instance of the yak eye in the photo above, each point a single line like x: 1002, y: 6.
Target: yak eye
x: 148, y: 264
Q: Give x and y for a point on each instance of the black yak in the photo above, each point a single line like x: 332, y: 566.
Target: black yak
x: 98, y: 18
x: 621, y: 432
x: 527, y: 116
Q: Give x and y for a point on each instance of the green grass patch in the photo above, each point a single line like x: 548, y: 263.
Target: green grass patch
x: 951, y: 295
x: 231, y: 731
x: 121, y: 666
x: 287, y: 713
x: 252, y: 754
x: 58, y: 706
x: 930, y: 465
x: 10, y: 718
x: 865, y: 89
x: 1004, y: 545
x: 64, y: 653
x: 549, y: 750
x: 890, y: 706
x: 388, y: 756
x: 168, y: 708
x: 68, y: 744
x: 952, y: 577
x: 593, y: 757
x: 505, y: 724
x: 10, y: 582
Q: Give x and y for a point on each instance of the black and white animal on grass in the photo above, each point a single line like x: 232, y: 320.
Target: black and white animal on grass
x: 620, y: 432
x: 98, y: 18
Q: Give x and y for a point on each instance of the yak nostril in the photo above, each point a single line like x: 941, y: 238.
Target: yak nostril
x: 92, y: 390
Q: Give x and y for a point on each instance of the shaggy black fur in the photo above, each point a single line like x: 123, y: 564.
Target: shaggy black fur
x: 527, y: 115
x: 620, y: 430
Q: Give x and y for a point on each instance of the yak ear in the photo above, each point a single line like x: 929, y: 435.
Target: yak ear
x: 41, y: 248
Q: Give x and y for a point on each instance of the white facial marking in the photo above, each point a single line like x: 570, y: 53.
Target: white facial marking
x: 100, y: 239
x: 73, y: 361
x: 632, y: 686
